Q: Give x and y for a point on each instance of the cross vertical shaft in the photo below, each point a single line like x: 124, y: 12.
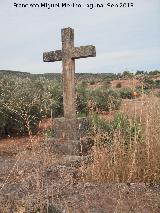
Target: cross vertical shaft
x: 68, y: 73
x: 67, y: 55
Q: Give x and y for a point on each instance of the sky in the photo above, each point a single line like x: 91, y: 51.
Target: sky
x: 125, y: 38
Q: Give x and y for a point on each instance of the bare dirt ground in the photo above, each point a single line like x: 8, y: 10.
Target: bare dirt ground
x: 128, y: 83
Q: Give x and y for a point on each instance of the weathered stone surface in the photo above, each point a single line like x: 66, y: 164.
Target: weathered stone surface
x: 68, y: 73
x: 83, y: 52
x: 70, y: 129
x: 68, y: 134
x: 66, y: 129
x: 71, y: 147
x: 52, y: 56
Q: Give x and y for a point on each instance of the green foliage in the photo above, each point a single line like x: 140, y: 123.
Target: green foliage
x: 56, y: 96
x: 126, y: 93
x: 129, y: 128
x: 150, y: 83
x: 81, y: 100
x: 105, y: 100
x: 121, y: 124
x: 127, y: 74
x: 155, y: 72
x: 107, y: 83
x: 24, y: 102
x: 157, y: 84
x: 140, y: 72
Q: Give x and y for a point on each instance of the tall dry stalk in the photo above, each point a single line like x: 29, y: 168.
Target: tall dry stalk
x: 140, y: 160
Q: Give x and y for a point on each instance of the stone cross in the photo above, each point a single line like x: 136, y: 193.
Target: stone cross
x: 67, y: 55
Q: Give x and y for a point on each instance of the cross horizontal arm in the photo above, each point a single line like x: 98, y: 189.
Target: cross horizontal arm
x: 83, y: 52
x: 52, y: 56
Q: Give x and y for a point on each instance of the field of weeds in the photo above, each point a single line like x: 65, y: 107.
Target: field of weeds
x: 133, y: 153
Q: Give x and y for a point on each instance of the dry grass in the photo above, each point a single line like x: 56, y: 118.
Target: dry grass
x: 37, y: 177
x: 140, y: 161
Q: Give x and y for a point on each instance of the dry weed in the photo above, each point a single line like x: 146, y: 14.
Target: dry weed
x: 140, y: 160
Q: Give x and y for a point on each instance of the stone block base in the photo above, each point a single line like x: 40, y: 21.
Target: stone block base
x: 71, y: 147
x: 70, y: 129
x: 66, y: 129
x: 67, y: 134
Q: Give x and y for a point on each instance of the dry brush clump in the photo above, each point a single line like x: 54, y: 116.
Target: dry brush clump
x: 128, y: 148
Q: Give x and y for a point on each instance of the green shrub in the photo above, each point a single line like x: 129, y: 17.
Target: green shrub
x: 56, y: 91
x: 149, y: 83
x: 157, y: 84
x: 121, y: 125
x: 127, y: 75
x: 24, y: 102
x: 107, y: 83
x: 105, y: 100
x: 81, y: 100
x: 155, y: 72
x: 125, y: 93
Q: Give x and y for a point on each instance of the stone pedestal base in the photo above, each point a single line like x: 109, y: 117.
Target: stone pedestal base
x: 71, y: 147
x: 67, y: 134
x: 66, y: 129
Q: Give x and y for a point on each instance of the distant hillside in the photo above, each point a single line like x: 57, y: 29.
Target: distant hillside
x: 58, y: 76
x: 18, y: 73
x: 29, y: 75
